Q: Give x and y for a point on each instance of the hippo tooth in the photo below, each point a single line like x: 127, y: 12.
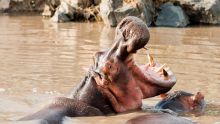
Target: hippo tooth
x: 160, y: 68
x: 165, y: 74
x: 151, y: 60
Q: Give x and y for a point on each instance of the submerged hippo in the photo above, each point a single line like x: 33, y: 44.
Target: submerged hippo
x: 115, y: 83
x: 182, y: 102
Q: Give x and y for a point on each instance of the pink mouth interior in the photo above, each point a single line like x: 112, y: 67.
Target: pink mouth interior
x: 156, y: 77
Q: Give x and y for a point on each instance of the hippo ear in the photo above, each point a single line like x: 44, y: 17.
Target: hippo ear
x: 199, y: 96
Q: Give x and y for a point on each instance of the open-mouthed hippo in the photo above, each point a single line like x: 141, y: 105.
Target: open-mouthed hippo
x: 114, y: 84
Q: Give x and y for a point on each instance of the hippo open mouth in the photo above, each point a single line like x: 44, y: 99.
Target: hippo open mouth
x: 158, y: 74
x: 117, y: 74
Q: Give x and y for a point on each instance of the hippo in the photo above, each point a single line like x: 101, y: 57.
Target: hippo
x: 161, y: 118
x: 115, y: 83
x: 170, y: 107
x: 182, y: 102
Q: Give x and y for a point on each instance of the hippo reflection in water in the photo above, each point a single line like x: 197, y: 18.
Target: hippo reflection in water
x: 115, y: 83
x: 161, y: 118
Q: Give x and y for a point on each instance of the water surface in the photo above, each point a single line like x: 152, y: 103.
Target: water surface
x: 41, y: 60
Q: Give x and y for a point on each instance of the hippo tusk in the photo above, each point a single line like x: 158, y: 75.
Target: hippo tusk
x: 165, y: 74
x: 151, y: 60
x: 160, y: 68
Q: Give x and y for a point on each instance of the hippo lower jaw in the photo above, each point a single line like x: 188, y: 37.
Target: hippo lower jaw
x: 155, y: 82
x: 162, y: 77
x: 153, y: 78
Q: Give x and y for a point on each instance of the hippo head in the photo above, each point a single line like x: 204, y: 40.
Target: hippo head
x: 182, y: 102
x: 119, y: 78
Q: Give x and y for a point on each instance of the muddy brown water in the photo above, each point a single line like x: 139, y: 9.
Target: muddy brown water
x: 40, y: 60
